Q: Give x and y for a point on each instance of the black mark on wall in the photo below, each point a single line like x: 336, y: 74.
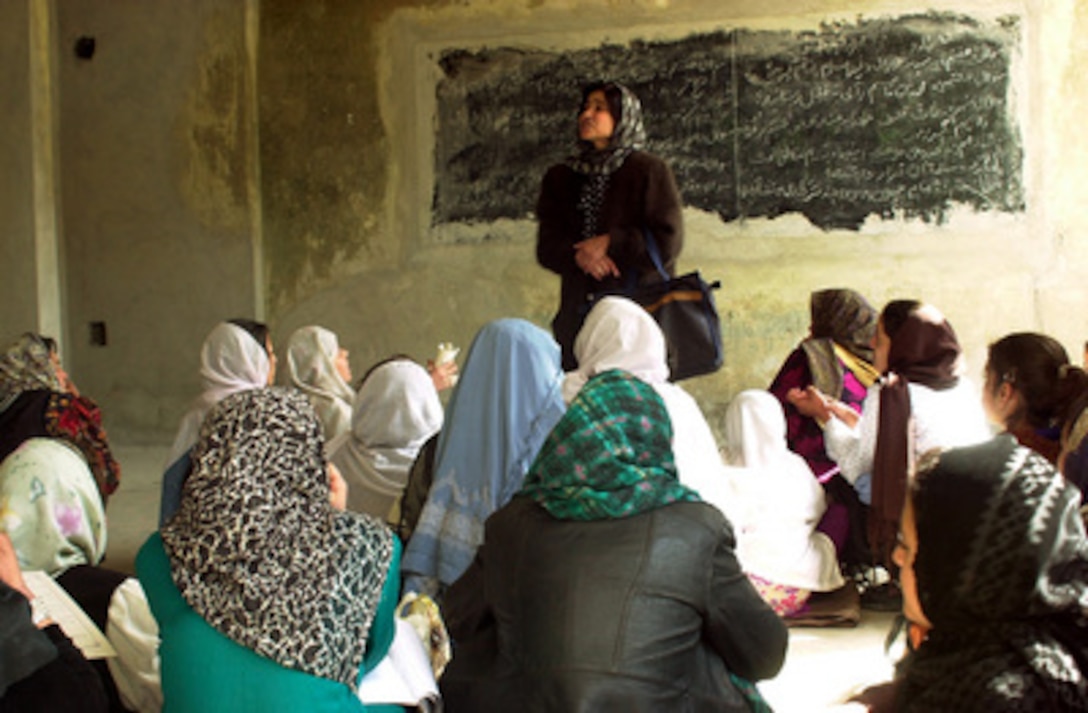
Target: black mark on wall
x: 886, y: 116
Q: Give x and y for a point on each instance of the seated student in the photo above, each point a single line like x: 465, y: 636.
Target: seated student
x: 502, y: 408
x: 921, y: 402
x: 620, y: 334
x: 237, y: 355
x: 268, y: 596
x: 836, y: 357
x: 1029, y: 387
x: 994, y: 568
x: 38, y: 399
x: 1073, y: 460
x: 774, y: 504
x: 606, y: 584
x: 319, y: 367
x: 52, y: 511
x: 395, y: 411
x: 40, y: 668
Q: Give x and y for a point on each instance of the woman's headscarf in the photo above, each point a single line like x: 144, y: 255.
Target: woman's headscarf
x: 257, y: 550
x: 33, y: 403
x: 503, y: 407
x: 51, y: 508
x: 924, y: 350
x: 617, y: 334
x: 26, y: 366
x: 628, y: 135
x: 1002, y: 574
x: 620, y: 334
x: 773, y: 500
x: 231, y: 360
x: 396, y: 410
x: 311, y: 367
x: 610, y: 456
x: 598, y: 165
x: 1074, y: 457
x: 842, y: 318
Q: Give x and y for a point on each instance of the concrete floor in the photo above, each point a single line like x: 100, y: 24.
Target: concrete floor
x: 822, y: 666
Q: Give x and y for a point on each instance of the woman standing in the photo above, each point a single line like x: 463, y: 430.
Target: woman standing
x: 595, y: 206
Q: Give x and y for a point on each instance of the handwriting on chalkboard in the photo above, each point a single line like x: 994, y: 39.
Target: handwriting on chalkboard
x: 891, y: 116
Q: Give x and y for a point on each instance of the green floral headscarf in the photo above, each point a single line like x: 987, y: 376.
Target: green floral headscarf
x: 610, y: 456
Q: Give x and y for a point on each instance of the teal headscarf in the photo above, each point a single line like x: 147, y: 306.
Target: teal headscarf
x: 610, y: 456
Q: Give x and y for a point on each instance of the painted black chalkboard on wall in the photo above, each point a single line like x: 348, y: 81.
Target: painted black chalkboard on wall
x: 889, y: 116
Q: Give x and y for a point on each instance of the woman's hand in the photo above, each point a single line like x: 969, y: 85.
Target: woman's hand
x: 810, y: 402
x: 10, y: 574
x: 591, y: 255
x: 338, y: 489
x: 443, y: 375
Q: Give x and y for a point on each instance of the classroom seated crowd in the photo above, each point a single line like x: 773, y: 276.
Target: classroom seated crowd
x: 559, y: 540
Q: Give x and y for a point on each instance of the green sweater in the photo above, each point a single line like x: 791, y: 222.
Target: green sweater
x: 203, y: 671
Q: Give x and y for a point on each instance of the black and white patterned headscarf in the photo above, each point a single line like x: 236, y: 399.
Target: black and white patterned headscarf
x: 598, y: 165
x: 257, y: 550
x: 1002, y: 571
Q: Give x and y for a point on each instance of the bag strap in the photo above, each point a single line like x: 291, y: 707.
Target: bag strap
x: 654, y: 253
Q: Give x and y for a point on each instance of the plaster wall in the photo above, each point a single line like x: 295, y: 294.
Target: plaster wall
x: 990, y: 273
x: 273, y: 159
x: 159, y: 172
x: 17, y: 307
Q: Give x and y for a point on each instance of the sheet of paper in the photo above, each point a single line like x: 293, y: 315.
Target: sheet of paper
x: 404, y: 676
x: 72, y: 620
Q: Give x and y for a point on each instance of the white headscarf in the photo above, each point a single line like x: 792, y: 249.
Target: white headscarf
x: 311, y: 367
x: 617, y: 334
x: 231, y: 360
x: 620, y: 334
x: 396, y: 410
x: 773, y: 499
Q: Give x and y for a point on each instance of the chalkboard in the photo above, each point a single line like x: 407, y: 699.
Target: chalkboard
x: 900, y: 116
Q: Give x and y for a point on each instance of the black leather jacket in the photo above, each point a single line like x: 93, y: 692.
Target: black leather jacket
x: 646, y: 613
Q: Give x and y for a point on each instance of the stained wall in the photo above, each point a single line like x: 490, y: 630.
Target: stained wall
x: 276, y: 159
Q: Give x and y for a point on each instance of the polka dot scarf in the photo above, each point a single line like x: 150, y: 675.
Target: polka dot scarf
x: 597, y: 165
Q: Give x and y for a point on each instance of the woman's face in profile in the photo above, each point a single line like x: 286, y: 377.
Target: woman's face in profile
x: 595, y: 123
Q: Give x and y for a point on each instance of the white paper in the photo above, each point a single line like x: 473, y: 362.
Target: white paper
x: 404, y: 676
x: 72, y: 620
